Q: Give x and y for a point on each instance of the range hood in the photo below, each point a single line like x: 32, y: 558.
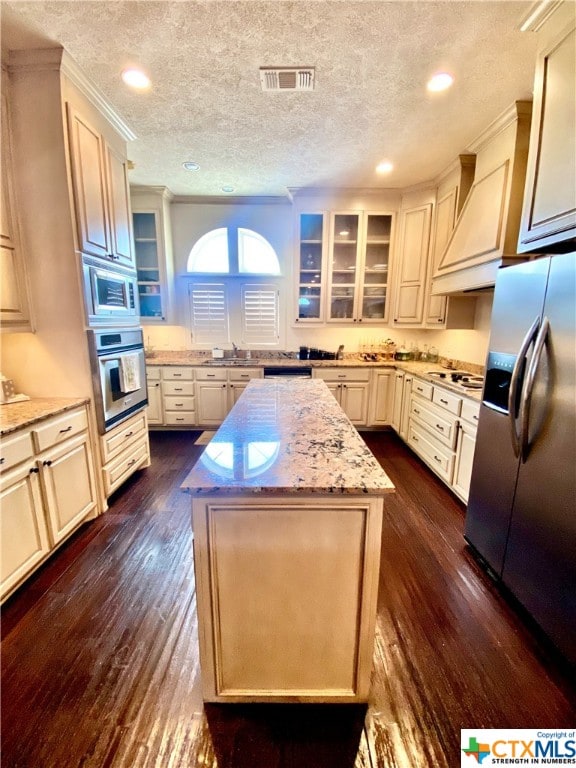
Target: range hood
x: 486, y: 233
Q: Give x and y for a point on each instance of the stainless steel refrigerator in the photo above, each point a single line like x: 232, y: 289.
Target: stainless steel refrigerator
x: 521, y: 515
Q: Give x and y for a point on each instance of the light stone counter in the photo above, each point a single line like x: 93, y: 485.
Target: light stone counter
x: 287, y: 510
x: 14, y: 416
x: 287, y: 437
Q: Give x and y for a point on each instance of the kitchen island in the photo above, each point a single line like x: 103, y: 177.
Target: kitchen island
x: 287, y: 505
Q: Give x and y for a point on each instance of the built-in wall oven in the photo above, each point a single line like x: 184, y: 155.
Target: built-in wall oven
x: 118, y: 374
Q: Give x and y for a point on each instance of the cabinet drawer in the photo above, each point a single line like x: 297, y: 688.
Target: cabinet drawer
x: 59, y: 429
x: 15, y: 449
x: 442, y: 425
x: 339, y: 374
x: 121, y: 436
x: 178, y: 388
x: 436, y: 456
x: 470, y: 411
x: 211, y: 374
x: 447, y: 400
x: 153, y: 373
x: 124, y: 465
x: 179, y: 404
x: 423, y: 388
x: 245, y: 374
x: 177, y: 372
x: 175, y: 419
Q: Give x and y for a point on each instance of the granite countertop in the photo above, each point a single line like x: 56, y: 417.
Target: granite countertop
x: 287, y: 437
x: 14, y: 416
x: 188, y: 358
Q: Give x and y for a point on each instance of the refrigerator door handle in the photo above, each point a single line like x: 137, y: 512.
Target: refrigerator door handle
x: 526, y: 397
x: 514, y: 380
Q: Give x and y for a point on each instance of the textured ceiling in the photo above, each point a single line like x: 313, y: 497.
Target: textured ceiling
x: 372, y: 62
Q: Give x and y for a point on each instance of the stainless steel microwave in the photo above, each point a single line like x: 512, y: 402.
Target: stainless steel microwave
x: 110, y: 294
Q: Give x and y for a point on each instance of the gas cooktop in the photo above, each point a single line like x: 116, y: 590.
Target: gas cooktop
x: 463, y: 379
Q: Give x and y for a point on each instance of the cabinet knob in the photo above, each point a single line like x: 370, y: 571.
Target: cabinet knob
x: 34, y: 471
x: 47, y: 463
x: 223, y: 385
x: 2, y: 460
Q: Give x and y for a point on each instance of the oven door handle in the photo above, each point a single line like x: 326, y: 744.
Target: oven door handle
x: 514, y: 382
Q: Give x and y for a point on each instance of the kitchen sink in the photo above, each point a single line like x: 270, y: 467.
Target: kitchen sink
x: 231, y: 361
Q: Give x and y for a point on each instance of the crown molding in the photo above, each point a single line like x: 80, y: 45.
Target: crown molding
x: 230, y: 200
x: 520, y: 110
x: 538, y: 14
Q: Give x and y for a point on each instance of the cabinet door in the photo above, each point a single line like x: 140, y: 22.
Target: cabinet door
x: 464, y: 459
x: 154, y: 403
x: 13, y: 298
x: 549, y: 213
x: 445, y: 216
x: 212, y: 402
x: 373, y: 288
x: 344, y: 266
x: 381, y: 398
x: 119, y: 208
x: 68, y: 484
x: 405, y: 408
x: 89, y: 184
x: 354, y: 402
x: 311, y: 268
x: 24, y: 536
x: 411, y: 273
x: 397, y: 407
x: 151, y: 285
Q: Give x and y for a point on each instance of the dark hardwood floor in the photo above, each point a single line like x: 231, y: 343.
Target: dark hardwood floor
x: 100, y: 663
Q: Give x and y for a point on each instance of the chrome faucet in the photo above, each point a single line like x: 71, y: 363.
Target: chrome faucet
x: 234, y: 350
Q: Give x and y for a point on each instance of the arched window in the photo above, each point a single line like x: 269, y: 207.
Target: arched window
x: 233, y: 250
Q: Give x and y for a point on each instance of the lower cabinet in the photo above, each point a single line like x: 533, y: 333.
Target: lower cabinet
x: 123, y: 450
x: 351, y: 387
x: 47, y: 488
x: 154, y: 411
x: 439, y: 426
x: 381, y: 398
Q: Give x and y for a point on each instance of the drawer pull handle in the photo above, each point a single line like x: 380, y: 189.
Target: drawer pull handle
x: 176, y: 375
x: 34, y: 470
x: 440, y: 427
x: 65, y: 430
x: 177, y: 389
x: 179, y: 418
x: 2, y: 460
x: 444, y: 401
x: 210, y: 375
x: 414, y: 438
x: 416, y: 411
x: 129, y: 434
x: 475, y: 417
x: 437, y: 459
x: 130, y: 463
x: 47, y: 463
x: 179, y: 405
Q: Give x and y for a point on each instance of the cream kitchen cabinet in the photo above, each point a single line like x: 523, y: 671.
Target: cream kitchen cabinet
x: 351, y: 388
x: 179, y: 396
x: 401, y: 402
x: 47, y: 490
x: 549, y: 211
x: 218, y: 389
x: 124, y: 449
x: 154, y: 384
x: 358, y: 267
x: 381, y: 398
x: 466, y: 444
x: 312, y: 266
x: 14, y: 297
x: 412, y: 265
x: 153, y: 252
x: 101, y: 193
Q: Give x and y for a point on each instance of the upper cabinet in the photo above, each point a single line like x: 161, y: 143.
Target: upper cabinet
x: 14, y: 301
x: 358, y: 262
x: 153, y: 252
x: 410, y: 278
x: 549, y: 212
x: 312, y: 237
x: 101, y: 194
x: 486, y: 232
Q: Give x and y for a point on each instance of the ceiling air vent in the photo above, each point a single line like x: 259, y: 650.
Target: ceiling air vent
x: 287, y: 79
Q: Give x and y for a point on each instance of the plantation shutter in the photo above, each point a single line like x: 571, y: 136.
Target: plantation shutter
x: 260, y: 321
x: 209, y: 313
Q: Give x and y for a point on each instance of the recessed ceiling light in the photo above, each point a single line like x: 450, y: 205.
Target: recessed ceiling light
x: 384, y: 167
x: 440, y: 82
x: 135, y: 78
x: 190, y: 166
x: 227, y: 189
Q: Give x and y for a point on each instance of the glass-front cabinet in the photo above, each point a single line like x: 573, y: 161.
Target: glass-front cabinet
x: 311, y: 263
x: 343, y: 263
x: 358, y: 267
x: 148, y: 266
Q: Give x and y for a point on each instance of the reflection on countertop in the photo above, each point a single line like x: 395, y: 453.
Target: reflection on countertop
x: 287, y: 437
